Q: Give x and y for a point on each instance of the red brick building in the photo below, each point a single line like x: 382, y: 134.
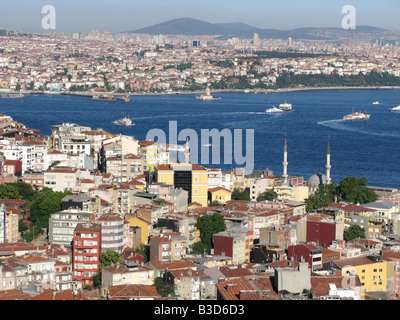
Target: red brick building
x: 86, y: 251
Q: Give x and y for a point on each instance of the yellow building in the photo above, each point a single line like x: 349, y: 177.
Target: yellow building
x: 220, y: 194
x: 143, y: 224
x: 296, y: 193
x: 148, y: 151
x: 376, y: 274
x: 190, y: 177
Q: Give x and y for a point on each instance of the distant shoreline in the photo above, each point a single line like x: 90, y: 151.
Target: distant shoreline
x: 90, y: 94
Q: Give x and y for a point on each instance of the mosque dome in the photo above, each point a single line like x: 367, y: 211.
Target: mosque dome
x: 317, y: 180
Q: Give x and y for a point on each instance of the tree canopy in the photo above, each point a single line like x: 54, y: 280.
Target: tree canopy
x: 238, y: 194
x: 107, y: 258
x: 208, y: 225
x: 268, y: 195
x: 356, y: 191
x: 354, y: 232
x: 164, y: 289
x: 42, y: 203
x: 350, y: 189
x: 323, y: 197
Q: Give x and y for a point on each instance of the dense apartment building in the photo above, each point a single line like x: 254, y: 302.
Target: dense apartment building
x: 376, y: 274
x: 12, y: 168
x: 86, y: 251
x: 61, y: 178
x: 168, y: 247
x: 309, y: 253
x: 281, y: 236
x: 62, y: 225
x: 9, y: 232
x: 34, y: 178
x: 149, y: 152
x: 190, y: 177
x: 125, y: 167
x: 114, y: 232
x: 235, y: 242
x: 127, y: 273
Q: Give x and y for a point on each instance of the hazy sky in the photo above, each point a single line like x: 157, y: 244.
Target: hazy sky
x: 124, y: 15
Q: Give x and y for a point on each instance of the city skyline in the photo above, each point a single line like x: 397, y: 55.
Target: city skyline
x: 124, y: 15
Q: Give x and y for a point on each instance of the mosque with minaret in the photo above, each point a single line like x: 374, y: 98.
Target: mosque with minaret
x: 316, y: 180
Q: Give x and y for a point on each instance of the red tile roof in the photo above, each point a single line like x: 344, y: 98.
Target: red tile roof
x: 133, y: 290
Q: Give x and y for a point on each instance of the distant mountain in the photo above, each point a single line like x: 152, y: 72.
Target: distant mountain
x: 236, y: 26
x: 183, y: 26
x: 189, y: 26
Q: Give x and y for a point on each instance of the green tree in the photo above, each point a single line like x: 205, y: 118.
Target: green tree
x: 268, y: 194
x: 208, y: 225
x: 238, y: 194
x: 356, y: 191
x: 44, y: 203
x: 107, y: 258
x: 9, y: 191
x: 200, y: 248
x: 354, y: 232
x: 142, y: 249
x: 164, y: 289
x: 215, y: 203
x: 324, y: 196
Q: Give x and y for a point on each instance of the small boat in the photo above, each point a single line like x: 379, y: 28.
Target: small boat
x: 274, y: 110
x: 285, y: 106
x: 125, y: 121
x: 208, y: 145
x: 354, y: 116
x: 375, y: 102
x: 395, y: 109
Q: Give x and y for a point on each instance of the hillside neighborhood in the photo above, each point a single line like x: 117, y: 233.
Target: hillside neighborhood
x: 89, y: 215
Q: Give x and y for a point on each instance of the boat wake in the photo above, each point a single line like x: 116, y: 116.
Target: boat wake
x: 339, y: 124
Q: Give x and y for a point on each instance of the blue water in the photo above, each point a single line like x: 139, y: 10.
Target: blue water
x: 368, y: 148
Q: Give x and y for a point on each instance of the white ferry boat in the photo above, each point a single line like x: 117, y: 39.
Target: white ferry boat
x: 354, y: 116
x: 274, y: 110
x: 395, y: 109
x: 285, y: 106
x: 376, y: 102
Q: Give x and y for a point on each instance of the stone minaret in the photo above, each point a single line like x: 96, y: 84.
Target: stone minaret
x: 285, y: 163
x: 328, y: 163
